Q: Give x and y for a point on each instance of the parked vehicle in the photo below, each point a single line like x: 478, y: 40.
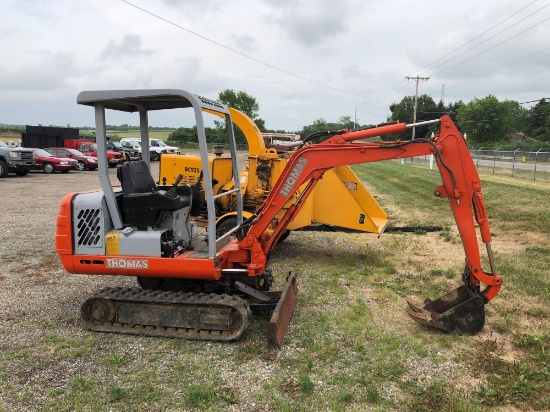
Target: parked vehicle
x: 132, y: 144
x: 164, y: 146
x: 48, y: 137
x: 49, y: 163
x: 157, y: 147
x: 128, y: 152
x: 83, y: 161
x: 90, y: 148
x: 15, y: 160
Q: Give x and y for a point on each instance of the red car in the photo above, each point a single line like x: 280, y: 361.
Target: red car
x: 49, y: 163
x: 90, y: 148
x: 84, y: 161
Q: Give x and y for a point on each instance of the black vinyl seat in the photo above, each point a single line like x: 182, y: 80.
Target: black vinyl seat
x: 142, y: 203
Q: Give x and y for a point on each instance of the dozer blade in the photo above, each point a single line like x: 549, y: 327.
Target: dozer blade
x: 460, y: 311
x: 276, y: 328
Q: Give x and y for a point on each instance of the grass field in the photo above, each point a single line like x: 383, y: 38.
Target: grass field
x: 350, y: 345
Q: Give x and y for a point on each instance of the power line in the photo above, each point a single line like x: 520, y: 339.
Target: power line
x: 445, y: 62
x: 501, y: 67
x: 458, y: 48
x: 478, y: 36
x: 490, y: 48
x: 395, y: 92
x: 387, y: 97
x: 246, y: 55
x: 533, y: 101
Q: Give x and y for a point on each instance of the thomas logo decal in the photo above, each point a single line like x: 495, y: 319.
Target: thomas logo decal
x: 293, y: 176
x: 118, y: 263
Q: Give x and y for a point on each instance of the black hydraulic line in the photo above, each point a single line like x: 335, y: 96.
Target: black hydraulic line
x: 395, y: 229
x: 389, y: 229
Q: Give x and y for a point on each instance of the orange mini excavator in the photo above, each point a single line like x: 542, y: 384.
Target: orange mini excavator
x: 197, y: 283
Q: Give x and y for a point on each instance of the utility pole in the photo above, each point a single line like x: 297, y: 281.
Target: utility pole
x: 417, y: 78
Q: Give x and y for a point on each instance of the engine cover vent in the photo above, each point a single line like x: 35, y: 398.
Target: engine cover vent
x: 91, y: 222
x: 89, y: 226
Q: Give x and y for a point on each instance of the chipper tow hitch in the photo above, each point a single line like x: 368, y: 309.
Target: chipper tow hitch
x: 461, y: 311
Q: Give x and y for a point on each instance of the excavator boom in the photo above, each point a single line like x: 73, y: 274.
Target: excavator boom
x: 461, y: 185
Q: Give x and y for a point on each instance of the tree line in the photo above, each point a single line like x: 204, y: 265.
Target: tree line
x: 236, y: 99
x: 485, y: 121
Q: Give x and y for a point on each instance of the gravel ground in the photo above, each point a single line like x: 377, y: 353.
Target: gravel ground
x: 40, y: 307
x: 36, y: 291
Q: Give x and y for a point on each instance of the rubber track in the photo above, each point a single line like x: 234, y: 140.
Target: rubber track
x: 148, y: 299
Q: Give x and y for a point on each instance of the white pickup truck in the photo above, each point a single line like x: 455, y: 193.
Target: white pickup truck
x: 157, y: 147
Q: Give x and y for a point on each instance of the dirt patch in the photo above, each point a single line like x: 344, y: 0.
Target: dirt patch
x: 518, y: 241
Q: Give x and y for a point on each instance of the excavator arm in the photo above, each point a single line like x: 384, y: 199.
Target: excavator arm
x: 460, y: 311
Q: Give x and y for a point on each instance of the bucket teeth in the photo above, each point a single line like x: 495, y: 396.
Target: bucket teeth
x: 461, y: 311
x: 413, y: 307
x: 418, y: 317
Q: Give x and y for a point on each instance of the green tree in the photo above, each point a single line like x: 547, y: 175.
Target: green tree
x: 451, y: 109
x: 321, y: 125
x: 241, y: 101
x: 245, y: 103
x: 317, y: 125
x: 538, y: 121
x: 346, y: 123
x: 488, y: 120
x: 426, y: 109
x: 184, y: 134
x: 189, y: 134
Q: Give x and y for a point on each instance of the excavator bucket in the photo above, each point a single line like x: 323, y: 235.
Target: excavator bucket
x: 461, y: 311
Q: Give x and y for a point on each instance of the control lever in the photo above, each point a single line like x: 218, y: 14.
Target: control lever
x: 172, y: 192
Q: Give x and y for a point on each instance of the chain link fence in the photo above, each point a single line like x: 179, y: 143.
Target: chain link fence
x: 526, y: 164
x: 517, y: 163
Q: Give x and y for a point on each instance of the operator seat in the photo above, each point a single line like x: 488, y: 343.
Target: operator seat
x: 142, y: 203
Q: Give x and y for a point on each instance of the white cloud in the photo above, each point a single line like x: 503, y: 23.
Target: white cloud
x: 130, y: 45
x: 37, y: 71
x: 365, y: 48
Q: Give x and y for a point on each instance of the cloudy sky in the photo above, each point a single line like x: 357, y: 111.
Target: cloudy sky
x: 301, y: 59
